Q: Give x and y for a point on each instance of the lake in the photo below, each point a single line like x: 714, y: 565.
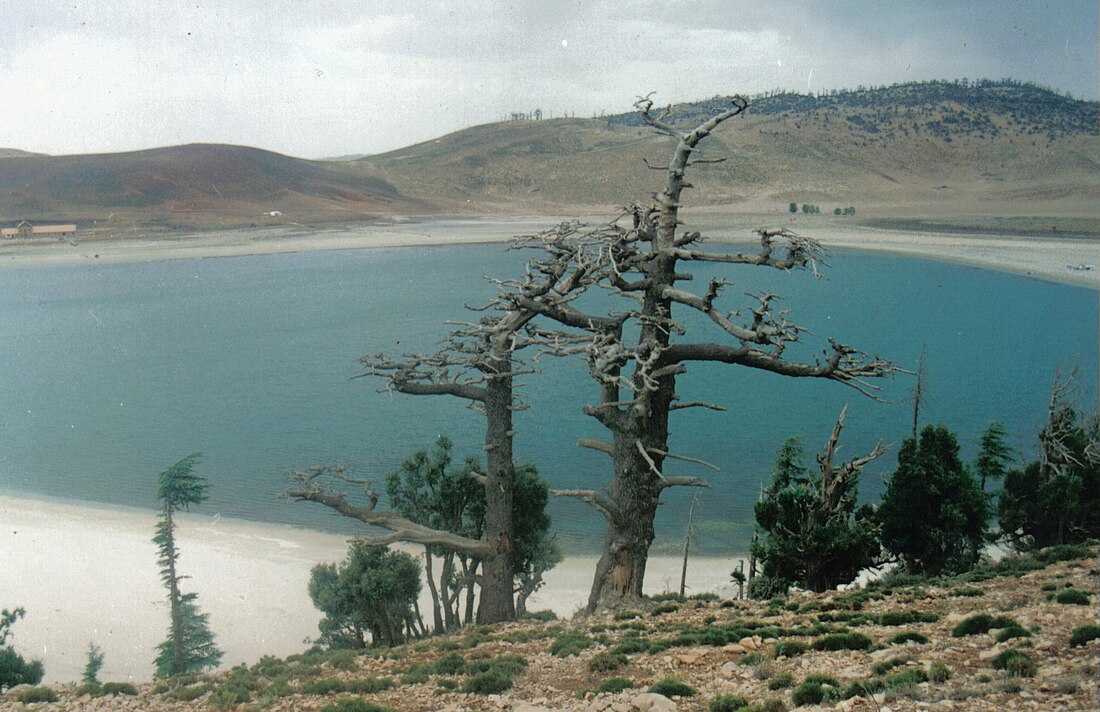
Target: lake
x: 108, y: 373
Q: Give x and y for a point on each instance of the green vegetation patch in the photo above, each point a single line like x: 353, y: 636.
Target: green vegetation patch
x: 354, y: 705
x: 490, y: 682
x: 607, y: 662
x: 781, y: 681
x: 843, y: 641
x: 789, y: 648
x: 36, y: 694
x: 981, y: 623
x: 816, y: 689
x: 908, y: 636
x: 896, y: 618
x: 670, y: 687
x: 450, y: 664
x: 1012, y: 631
x: 570, y: 643
x: 1072, y: 597
x: 727, y: 703
x: 614, y: 684
x: 1083, y: 634
x: 119, y: 688
x: 1016, y: 663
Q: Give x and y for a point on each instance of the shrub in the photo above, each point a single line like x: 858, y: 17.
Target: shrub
x: 727, y: 703
x: 446, y: 684
x: 544, y: 616
x: 342, y: 659
x: 813, y: 693
x: 981, y: 623
x: 1015, y: 662
x: 670, y: 687
x: 89, y: 688
x: 781, y: 681
x: 664, y: 608
x: 37, y: 694
x: 490, y: 682
x: 631, y: 646
x: 885, y: 666
x: 607, y: 662
x: 1064, y: 552
x: 354, y: 705
x: 909, y: 636
x: 614, y: 684
x: 118, y: 688
x: 1013, y: 631
x: 896, y: 618
x: 1073, y: 597
x: 752, y: 659
x: 843, y: 641
x: 228, y: 696
x: 906, y: 678
x: 569, y: 643
x: 938, y: 672
x: 1083, y: 634
x: 789, y: 648
x: 450, y: 664
x: 627, y: 615
x: 772, y: 704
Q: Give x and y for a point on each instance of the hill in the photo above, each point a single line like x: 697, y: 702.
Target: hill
x: 1004, y: 636
x: 198, y: 185
x: 932, y: 149
x: 967, y: 156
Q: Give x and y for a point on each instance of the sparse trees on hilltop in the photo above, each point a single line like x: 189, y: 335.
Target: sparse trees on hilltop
x: 14, y: 670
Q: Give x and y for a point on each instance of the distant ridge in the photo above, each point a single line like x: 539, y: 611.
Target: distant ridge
x: 193, y: 186
x: 953, y: 154
x: 931, y: 146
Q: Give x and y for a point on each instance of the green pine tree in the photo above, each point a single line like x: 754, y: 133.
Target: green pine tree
x: 93, y: 665
x: 190, y: 645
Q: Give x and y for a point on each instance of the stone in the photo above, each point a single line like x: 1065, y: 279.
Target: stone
x: 652, y: 702
x: 735, y: 648
x: 524, y: 707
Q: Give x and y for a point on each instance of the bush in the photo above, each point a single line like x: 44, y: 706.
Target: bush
x: 981, y: 623
x: 843, y: 641
x: 450, y: 664
x: 772, y: 704
x: 37, y: 694
x: 354, y: 705
x: 607, y: 662
x: 896, y: 618
x: 727, y: 703
x: 664, y: 608
x: 544, y: 616
x: 627, y: 615
x: 909, y: 636
x: 569, y: 643
x: 1083, y: 634
x: 1064, y: 552
x: 752, y: 659
x: 118, y: 688
x: 1072, y: 597
x: 789, y: 648
x: 781, y: 681
x: 938, y: 672
x: 89, y: 688
x: 614, y: 684
x: 812, y: 693
x: 228, y: 696
x: 490, y: 682
x: 670, y: 687
x: 1015, y: 662
x: 187, y: 693
x: 631, y: 646
x: 1013, y: 631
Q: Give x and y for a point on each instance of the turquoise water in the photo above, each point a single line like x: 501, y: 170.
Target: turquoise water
x: 110, y: 372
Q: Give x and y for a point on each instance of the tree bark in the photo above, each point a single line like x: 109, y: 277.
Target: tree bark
x: 496, y: 602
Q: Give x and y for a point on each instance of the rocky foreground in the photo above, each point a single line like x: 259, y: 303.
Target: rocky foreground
x: 1018, y: 635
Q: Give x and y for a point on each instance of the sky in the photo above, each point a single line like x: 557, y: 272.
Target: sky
x: 334, y: 77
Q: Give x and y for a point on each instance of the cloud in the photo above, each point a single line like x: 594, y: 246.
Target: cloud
x: 332, y: 77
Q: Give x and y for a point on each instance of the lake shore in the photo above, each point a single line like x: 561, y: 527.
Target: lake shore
x: 87, y: 573
x: 1047, y: 258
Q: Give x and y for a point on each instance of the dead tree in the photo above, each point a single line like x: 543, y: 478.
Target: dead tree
x: 637, y: 379
x: 478, y: 364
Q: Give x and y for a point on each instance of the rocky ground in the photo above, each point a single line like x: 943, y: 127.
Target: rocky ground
x: 908, y: 645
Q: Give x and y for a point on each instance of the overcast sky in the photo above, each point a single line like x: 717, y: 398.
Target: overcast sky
x: 331, y: 77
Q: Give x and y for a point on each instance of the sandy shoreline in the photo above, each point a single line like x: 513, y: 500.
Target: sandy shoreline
x: 87, y: 573
x: 1043, y: 258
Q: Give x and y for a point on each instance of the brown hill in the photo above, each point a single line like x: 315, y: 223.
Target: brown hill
x: 902, y: 644
x: 198, y: 185
x: 930, y: 149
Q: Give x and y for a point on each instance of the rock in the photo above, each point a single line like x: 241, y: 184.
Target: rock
x: 524, y: 707
x: 728, y: 669
x: 687, y: 659
x: 652, y: 702
x: 749, y: 643
x: 735, y: 648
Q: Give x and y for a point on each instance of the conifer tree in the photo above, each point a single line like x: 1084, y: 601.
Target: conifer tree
x: 93, y: 665
x: 190, y: 645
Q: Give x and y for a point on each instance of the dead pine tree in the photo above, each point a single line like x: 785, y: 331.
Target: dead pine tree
x: 478, y: 364
x: 637, y: 377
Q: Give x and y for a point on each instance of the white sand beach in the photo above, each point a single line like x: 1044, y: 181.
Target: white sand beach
x: 1049, y: 258
x: 88, y: 573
